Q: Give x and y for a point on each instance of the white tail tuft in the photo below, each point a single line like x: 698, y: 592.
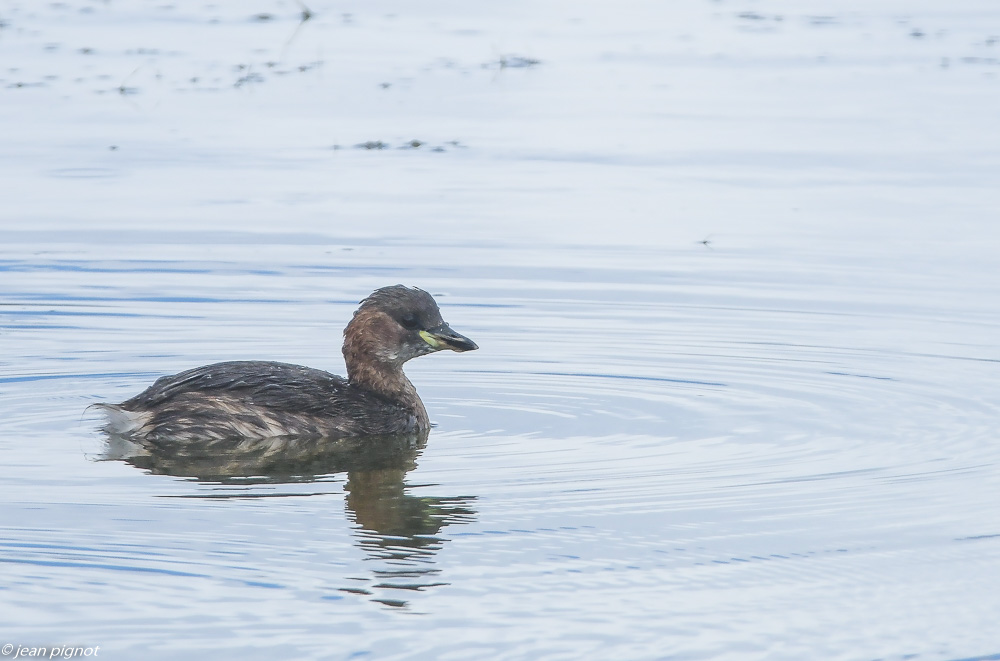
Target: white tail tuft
x: 120, y: 421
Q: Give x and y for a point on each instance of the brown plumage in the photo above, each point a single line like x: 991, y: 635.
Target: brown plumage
x: 257, y: 399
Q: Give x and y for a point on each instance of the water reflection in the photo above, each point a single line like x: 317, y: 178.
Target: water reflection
x: 398, y: 532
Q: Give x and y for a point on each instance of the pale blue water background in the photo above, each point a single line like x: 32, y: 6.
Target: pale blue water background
x: 779, y: 444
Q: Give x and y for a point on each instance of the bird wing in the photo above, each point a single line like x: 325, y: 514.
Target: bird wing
x: 261, y: 383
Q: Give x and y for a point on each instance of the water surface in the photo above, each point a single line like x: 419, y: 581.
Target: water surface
x: 731, y: 270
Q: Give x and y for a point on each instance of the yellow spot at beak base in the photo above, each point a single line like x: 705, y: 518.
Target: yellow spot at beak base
x: 430, y: 339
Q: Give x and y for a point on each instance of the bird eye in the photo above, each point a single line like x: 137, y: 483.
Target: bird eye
x: 409, y: 321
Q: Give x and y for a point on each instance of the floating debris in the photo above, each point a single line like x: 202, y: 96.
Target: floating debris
x: 754, y: 16
x: 251, y: 77
x: 513, y: 62
x: 306, y: 12
x: 378, y: 145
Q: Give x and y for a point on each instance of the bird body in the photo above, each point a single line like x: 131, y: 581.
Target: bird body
x: 261, y: 399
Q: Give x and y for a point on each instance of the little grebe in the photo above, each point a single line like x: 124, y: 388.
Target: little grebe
x: 258, y: 399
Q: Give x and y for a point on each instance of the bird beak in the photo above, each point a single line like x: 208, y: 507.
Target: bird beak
x: 443, y: 337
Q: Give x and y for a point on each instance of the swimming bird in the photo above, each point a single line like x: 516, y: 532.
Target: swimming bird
x: 260, y: 399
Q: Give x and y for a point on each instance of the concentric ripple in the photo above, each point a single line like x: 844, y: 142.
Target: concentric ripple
x: 689, y: 445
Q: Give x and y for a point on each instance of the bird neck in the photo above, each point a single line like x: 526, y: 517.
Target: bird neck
x: 388, y: 381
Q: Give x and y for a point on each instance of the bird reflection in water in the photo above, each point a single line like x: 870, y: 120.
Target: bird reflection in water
x: 397, y: 531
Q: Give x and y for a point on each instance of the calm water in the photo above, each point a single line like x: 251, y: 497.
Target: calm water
x: 732, y: 273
